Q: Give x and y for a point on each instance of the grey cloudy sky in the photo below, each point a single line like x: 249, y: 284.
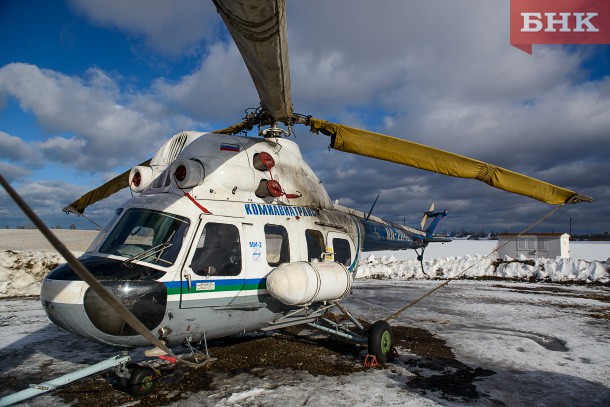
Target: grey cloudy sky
x: 437, y: 72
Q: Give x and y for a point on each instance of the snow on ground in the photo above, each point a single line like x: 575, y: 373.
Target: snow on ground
x: 547, y: 344
x: 592, y: 251
x: 530, y: 344
x: 542, y: 344
x: 21, y: 273
x: 589, y: 262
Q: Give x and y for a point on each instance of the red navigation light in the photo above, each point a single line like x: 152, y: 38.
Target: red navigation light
x: 180, y: 173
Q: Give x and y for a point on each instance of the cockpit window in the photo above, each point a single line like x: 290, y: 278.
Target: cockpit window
x: 147, y: 235
x: 103, y: 234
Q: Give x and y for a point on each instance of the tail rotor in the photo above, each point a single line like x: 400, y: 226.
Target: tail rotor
x: 425, y: 218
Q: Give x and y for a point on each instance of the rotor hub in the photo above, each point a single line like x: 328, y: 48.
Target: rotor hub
x: 274, y: 132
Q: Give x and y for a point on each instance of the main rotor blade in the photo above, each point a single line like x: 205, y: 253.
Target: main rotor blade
x: 103, y: 191
x: 258, y: 28
x: 369, y: 144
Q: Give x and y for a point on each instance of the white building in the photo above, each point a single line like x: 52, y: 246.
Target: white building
x: 549, y: 245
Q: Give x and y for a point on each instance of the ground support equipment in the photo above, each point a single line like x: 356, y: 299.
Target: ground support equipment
x: 116, y: 362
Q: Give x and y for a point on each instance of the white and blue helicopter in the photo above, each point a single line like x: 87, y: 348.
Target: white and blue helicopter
x: 229, y: 234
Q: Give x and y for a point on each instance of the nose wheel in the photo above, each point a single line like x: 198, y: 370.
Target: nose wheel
x: 141, y: 381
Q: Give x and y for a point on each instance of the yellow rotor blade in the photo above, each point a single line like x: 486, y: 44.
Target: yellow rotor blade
x: 103, y: 191
x: 387, y: 148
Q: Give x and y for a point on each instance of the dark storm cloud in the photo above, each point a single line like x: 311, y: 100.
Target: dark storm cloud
x: 451, y: 81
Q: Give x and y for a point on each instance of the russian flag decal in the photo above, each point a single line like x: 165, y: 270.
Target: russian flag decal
x: 234, y: 148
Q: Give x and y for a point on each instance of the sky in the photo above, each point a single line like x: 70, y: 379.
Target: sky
x: 91, y: 88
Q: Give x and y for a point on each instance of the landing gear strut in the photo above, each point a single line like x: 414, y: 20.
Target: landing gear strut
x: 379, y: 337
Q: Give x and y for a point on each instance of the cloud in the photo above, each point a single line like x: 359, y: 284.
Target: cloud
x: 445, y: 74
x: 106, y: 125
x: 220, y: 89
x: 64, y: 150
x: 438, y: 49
x: 14, y: 173
x: 15, y: 149
x: 17, y: 158
x: 45, y: 197
x: 168, y: 27
x: 48, y: 198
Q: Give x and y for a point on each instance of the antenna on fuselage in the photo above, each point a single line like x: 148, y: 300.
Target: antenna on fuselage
x: 371, y: 211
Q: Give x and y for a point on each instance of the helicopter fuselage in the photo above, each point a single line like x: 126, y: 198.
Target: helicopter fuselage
x: 194, y: 252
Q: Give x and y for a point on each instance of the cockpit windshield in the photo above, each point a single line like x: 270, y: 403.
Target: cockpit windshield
x: 147, y: 235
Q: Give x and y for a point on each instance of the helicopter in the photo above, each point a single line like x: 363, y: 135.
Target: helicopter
x: 266, y: 241
x: 230, y: 234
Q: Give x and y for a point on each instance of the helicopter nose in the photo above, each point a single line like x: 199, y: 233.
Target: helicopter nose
x: 146, y: 300
x: 73, y: 306
x: 62, y: 301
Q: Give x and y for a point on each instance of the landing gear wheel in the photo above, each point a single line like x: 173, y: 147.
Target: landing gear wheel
x: 380, y: 341
x: 122, y: 382
x: 142, y: 381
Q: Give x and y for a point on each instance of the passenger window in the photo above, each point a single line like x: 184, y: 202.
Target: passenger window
x: 276, y: 240
x: 343, y: 253
x: 315, y: 244
x: 218, y: 251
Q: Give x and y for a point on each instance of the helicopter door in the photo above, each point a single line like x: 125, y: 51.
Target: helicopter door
x: 214, y: 274
x: 343, y: 248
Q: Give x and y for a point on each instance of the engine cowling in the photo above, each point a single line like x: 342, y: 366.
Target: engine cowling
x: 140, y: 178
x: 302, y: 283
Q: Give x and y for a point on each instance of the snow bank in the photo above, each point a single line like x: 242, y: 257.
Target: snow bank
x: 541, y: 269
x: 21, y: 273
x: 26, y: 257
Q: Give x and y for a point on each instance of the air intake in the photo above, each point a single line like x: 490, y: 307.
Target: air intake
x: 174, y: 148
